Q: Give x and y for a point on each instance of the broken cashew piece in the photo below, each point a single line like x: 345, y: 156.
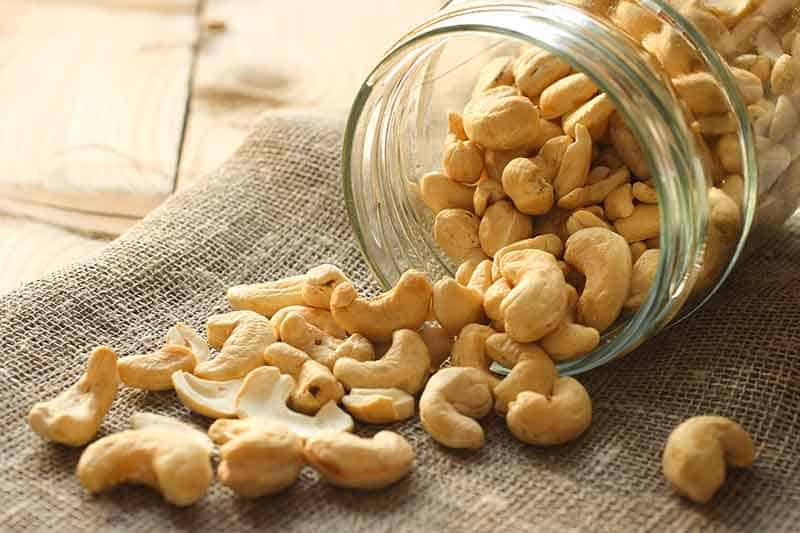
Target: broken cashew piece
x: 379, y: 406
x: 404, y: 366
x: 354, y: 462
x: 182, y: 335
x: 315, y: 384
x: 153, y: 371
x: 469, y: 350
x: 241, y: 337
x: 214, y: 399
x: 698, y: 452
x: 404, y: 306
x: 73, y: 417
x: 452, y: 398
x: 547, y: 420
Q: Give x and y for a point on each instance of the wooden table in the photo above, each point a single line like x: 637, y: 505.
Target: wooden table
x: 109, y: 106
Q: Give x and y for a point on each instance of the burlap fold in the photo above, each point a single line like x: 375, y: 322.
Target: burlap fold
x: 274, y: 210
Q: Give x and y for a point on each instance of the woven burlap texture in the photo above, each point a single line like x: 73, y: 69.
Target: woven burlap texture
x: 274, y: 210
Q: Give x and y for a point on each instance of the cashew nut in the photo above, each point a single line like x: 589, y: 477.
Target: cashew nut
x: 785, y: 75
x: 481, y: 278
x: 644, y: 223
x: 167, y: 423
x: 536, y: 70
x: 379, y: 406
x: 594, y: 114
x: 257, y: 459
x: 537, y: 302
x: 547, y: 420
x: 501, y: 119
x: 487, y: 191
x: 583, y: 218
x: 635, y: 20
x: 698, y: 451
x: 452, y: 398
x: 319, y: 318
x: 493, y: 298
x: 525, y: 181
x: 605, y: 259
x: 182, y: 335
x: 267, y: 298
x: 263, y: 396
x: 501, y: 348
x: 469, y: 350
x: 405, y: 366
x: 495, y: 161
x: 497, y: 72
x: 319, y: 284
x: 214, y: 399
x: 644, y: 193
x: 643, y: 274
x: 595, y: 193
x: 637, y: 249
x: 357, y: 347
x: 569, y: 340
x: 315, y: 386
x: 533, y: 371
x: 153, y: 371
x: 502, y: 225
x: 619, y: 202
x: 440, y: 192
x: 575, y: 164
x: 455, y: 306
x: 405, y: 306
x: 354, y: 462
x: 320, y: 346
x: 547, y: 242
x: 438, y: 341
x: 456, y: 232
x: 724, y: 224
x: 462, y: 159
x: 241, y: 337
x: 73, y: 417
x: 566, y: 95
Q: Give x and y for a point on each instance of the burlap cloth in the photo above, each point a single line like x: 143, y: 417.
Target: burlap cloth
x: 276, y: 209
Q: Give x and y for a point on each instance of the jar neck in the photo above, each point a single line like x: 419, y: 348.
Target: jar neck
x: 393, y: 102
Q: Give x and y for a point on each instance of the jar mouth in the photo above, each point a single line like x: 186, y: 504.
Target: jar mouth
x: 370, y: 150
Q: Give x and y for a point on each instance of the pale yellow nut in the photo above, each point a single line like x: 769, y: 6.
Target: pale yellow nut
x: 729, y: 153
x: 452, y: 398
x: 74, y: 416
x: 182, y: 335
x: 785, y: 119
x: 438, y: 341
x: 671, y: 49
x: 525, y: 182
x: 153, y: 371
x: 548, y: 420
x: 597, y: 174
x: 582, y: 218
x: 720, y: 124
x: 267, y: 298
x: 319, y: 318
x: 708, y: 24
x: 537, y: 302
x: 469, y: 350
x: 455, y: 306
x: 595, y: 193
x: 379, y: 406
x: 548, y: 130
x: 729, y: 11
x: 619, y: 202
x: 536, y: 70
x: 575, y: 164
x: 594, y: 114
x: 499, y: 71
x: 644, y: 193
x: 566, y: 95
x: 760, y: 65
x: 214, y: 399
x: 552, y: 153
x: 495, y: 161
x: 241, y: 337
x: 637, y: 249
x: 404, y: 366
x: 465, y: 270
x: 644, y: 223
x: 628, y: 147
x: 636, y: 20
x: 462, y: 160
x: 456, y: 233
x: 605, y: 259
x: 153, y: 421
x: 698, y: 452
x: 481, y: 278
x: 354, y: 462
x: 734, y: 188
x: 406, y: 305
x: 500, y: 119
x: 534, y: 371
x: 701, y: 92
x: 642, y: 277
x: 501, y: 225
x: 493, y: 299
x: 743, y: 33
x: 487, y: 191
x: 724, y: 227
x: 315, y: 383
x: 570, y: 340
x: 173, y: 462
x: 319, y: 346
x: 357, y: 347
x: 265, y: 459
x: 440, y: 192
x: 319, y: 284
x: 750, y: 86
x: 547, y: 242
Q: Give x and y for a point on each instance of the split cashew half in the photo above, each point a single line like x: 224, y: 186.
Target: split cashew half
x: 214, y: 399
x: 349, y: 461
x: 182, y: 335
x: 405, y: 306
x: 153, y: 371
x: 315, y: 384
x: 698, y: 451
x: 452, y: 398
x: 404, y: 366
x: 74, y: 416
x: 241, y: 337
x: 379, y: 406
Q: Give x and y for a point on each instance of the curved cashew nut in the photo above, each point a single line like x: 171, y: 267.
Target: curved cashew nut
x: 176, y: 463
x: 319, y: 318
x: 605, y: 259
x: 452, y: 398
x: 153, y: 371
x: 642, y: 276
x: 257, y: 459
x: 488, y: 190
x: 569, y: 340
x: 533, y: 371
x: 214, y: 399
x: 440, y: 192
x: 525, y: 181
x: 583, y: 218
x: 596, y: 192
x: 480, y: 278
x: 462, y: 159
x: 319, y: 284
x: 167, y: 423
x: 535, y: 70
x: 241, y: 337
x: 548, y: 242
x: 502, y: 225
x: 73, y: 417
x: 438, y: 341
x: 469, y: 350
x: 501, y: 119
x: 267, y: 298
x: 537, y: 303
x: 357, y: 347
x: 504, y: 350
x: 315, y: 386
x: 346, y: 460
x: 724, y: 225
x: 404, y: 307
x: 644, y: 223
x: 182, y: 335
x: 493, y: 298
x: 698, y: 451
x: 320, y: 346
x: 455, y: 306
x: 379, y: 406
x: 405, y: 366
x: 263, y: 397
x: 619, y: 202
x: 548, y: 420
x: 575, y: 164
x: 456, y: 233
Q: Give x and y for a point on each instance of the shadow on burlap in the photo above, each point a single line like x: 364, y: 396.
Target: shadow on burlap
x: 274, y: 210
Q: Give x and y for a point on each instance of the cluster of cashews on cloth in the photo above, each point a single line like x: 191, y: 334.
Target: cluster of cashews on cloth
x: 556, y: 237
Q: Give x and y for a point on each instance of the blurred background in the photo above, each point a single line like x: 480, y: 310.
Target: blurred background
x: 109, y: 106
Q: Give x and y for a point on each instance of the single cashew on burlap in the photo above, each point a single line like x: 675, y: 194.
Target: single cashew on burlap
x: 214, y: 399
x: 241, y: 337
x: 153, y: 371
x: 451, y: 400
x: 267, y: 298
x: 74, y: 416
x: 349, y: 461
x: 698, y: 452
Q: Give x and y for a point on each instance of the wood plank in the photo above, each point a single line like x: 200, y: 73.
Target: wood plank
x: 86, y: 223
x: 272, y: 55
x: 31, y: 250
x: 93, y: 99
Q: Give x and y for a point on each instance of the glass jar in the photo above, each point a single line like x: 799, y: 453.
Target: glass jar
x: 654, y: 60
